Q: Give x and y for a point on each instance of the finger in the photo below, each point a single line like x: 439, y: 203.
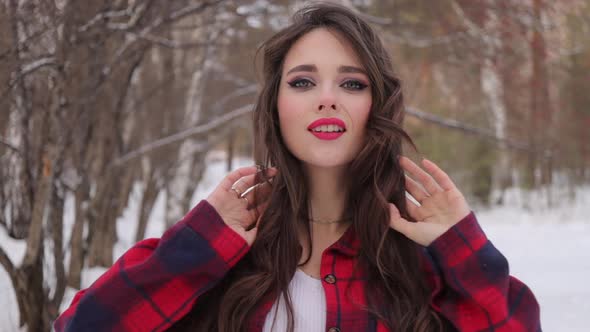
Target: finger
x: 398, y: 223
x: 413, y: 209
x: 439, y: 175
x: 424, y: 178
x: 256, y: 214
x: 239, y: 187
x: 258, y: 193
x: 247, y: 184
x: 259, y: 189
x: 415, y: 189
x: 259, y: 211
x: 250, y: 235
x: 234, y: 176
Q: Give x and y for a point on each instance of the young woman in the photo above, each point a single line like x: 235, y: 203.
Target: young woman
x: 322, y: 237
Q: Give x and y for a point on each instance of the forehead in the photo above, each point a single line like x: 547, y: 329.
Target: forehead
x: 322, y: 47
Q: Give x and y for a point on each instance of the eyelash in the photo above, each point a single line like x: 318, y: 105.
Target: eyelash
x: 296, y: 84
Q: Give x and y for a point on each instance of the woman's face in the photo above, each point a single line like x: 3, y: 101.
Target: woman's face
x: 323, y: 80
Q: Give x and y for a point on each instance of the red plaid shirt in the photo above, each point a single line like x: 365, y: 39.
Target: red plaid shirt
x: 157, y: 281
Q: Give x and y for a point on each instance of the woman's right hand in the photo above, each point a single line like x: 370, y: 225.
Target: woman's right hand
x: 237, y: 211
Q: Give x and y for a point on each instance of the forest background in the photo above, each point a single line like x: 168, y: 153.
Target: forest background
x: 100, y: 98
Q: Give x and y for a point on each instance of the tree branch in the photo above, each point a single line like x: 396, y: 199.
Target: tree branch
x: 7, y: 263
x: 454, y: 124
x: 134, y: 14
x: 367, y: 17
x: 168, y: 43
x: 9, y: 146
x: 29, y: 69
x: 178, y: 137
x: 145, y: 32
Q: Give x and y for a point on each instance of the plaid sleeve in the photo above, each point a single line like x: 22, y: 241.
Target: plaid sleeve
x: 472, y: 285
x: 156, y: 282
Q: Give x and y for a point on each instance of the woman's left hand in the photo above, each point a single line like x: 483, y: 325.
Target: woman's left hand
x: 441, y: 204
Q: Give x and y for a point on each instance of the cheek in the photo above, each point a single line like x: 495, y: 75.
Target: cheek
x: 292, y: 108
x: 289, y: 110
x: 285, y: 110
x: 360, y: 115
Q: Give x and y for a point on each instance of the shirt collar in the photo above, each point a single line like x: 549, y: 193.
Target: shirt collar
x: 348, y: 244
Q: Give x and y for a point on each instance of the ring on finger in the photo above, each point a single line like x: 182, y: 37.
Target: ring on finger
x: 247, y: 191
x: 237, y: 192
x: 246, y: 199
x: 235, y: 185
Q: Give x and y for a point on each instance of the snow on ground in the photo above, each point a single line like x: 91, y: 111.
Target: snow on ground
x: 548, y: 249
x: 16, y: 252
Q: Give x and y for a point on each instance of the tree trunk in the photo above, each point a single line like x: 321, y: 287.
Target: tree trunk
x: 194, y: 180
x: 150, y: 193
x: 177, y: 186
x: 541, y: 103
x: 56, y: 222
x: 541, y: 131
x: 181, y: 181
x: 108, y: 207
x: 231, y: 146
x: 22, y: 194
x: 77, y: 238
x: 101, y: 223
x: 493, y: 88
x: 31, y: 296
x: 28, y: 284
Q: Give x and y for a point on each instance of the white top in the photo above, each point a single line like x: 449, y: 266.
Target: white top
x: 309, y: 306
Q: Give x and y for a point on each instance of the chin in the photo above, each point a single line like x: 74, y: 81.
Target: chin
x: 327, y: 164
x: 327, y: 160
x: 323, y: 156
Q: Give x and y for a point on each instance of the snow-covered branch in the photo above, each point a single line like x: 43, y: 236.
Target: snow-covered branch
x: 30, y: 68
x: 34, y: 65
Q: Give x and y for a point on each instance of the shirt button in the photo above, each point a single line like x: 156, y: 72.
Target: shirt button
x: 331, y: 279
x: 334, y: 329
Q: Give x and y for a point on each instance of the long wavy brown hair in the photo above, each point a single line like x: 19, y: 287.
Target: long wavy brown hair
x: 396, y: 290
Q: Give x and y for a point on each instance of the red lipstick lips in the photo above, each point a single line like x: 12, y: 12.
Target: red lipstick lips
x: 324, y: 135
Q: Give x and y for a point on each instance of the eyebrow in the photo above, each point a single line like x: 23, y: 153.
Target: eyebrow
x: 313, y: 69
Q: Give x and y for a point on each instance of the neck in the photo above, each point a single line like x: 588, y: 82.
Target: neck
x: 327, y: 195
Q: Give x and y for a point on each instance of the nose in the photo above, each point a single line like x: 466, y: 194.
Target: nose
x: 327, y: 100
x: 322, y: 106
